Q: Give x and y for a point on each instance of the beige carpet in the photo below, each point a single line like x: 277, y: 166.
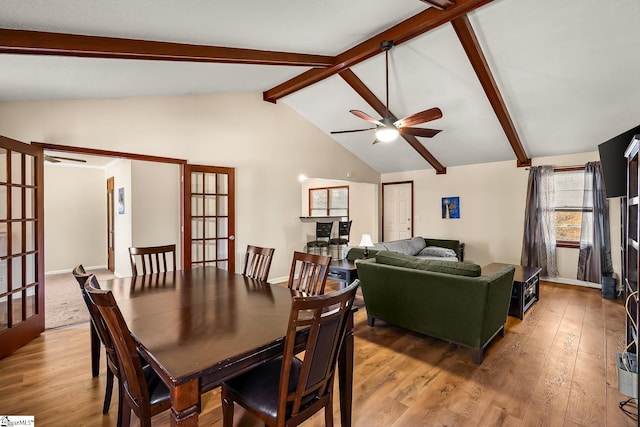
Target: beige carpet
x: 62, y: 299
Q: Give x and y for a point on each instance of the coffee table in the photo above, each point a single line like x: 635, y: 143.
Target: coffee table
x: 343, y: 271
x: 526, y: 287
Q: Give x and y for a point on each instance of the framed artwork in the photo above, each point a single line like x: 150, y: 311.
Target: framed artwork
x: 121, y: 201
x: 451, y: 207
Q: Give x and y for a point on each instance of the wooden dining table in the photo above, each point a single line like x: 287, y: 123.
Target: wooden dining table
x: 200, y: 327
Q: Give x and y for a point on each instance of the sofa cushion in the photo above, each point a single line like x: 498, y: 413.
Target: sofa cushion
x: 443, y: 243
x: 439, y: 266
x: 437, y: 251
x: 395, y: 258
x: 454, y: 267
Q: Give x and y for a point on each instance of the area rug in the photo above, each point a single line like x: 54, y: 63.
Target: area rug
x: 63, y: 302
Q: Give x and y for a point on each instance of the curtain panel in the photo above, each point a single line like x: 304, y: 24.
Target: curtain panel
x: 594, y: 259
x: 539, y: 239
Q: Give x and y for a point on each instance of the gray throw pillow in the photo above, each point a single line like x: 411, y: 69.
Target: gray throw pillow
x: 437, y: 251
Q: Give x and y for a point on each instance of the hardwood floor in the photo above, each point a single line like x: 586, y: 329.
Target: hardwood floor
x: 556, y: 367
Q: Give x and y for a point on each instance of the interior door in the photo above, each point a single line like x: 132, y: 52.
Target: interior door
x: 397, y: 211
x: 110, y: 226
x: 209, y: 217
x: 21, y: 244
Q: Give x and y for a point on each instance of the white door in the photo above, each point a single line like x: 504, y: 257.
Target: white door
x: 397, y: 201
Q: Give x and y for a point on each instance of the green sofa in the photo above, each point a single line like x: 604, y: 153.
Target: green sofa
x: 448, y: 300
x: 422, y: 247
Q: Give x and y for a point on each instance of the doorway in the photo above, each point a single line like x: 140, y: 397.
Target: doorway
x: 397, y: 210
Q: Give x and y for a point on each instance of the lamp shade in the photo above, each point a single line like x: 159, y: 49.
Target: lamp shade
x: 366, y: 241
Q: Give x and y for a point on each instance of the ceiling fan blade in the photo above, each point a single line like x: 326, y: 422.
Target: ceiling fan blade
x: 350, y: 131
x: 365, y: 116
x: 421, y: 117
x: 56, y: 159
x: 425, y: 133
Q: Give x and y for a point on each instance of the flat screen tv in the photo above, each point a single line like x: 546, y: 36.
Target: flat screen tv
x: 614, y: 164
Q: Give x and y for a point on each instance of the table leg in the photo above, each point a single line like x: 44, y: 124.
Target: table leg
x: 185, y: 402
x: 345, y: 374
x: 95, y: 351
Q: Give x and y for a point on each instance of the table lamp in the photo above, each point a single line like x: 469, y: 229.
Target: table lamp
x: 366, y: 243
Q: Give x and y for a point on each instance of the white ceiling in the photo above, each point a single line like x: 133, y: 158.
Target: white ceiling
x: 569, y: 71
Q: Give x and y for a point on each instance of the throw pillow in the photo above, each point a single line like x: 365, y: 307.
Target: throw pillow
x: 437, y: 251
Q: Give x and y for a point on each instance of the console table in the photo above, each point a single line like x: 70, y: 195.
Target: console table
x: 343, y: 271
x: 526, y: 287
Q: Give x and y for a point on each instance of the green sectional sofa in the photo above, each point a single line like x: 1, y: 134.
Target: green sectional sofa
x: 422, y: 247
x: 449, y: 300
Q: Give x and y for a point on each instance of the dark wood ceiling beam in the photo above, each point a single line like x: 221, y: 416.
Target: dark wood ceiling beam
x: 59, y: 44
x: 440, y: 4
x: 406, y: 30
x: 366, y: 94
x: 469, y: 41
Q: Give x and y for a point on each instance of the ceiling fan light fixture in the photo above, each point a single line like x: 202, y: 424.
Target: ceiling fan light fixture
x: 387, y: 133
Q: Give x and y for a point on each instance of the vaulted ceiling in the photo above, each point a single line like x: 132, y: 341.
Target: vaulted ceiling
x: 514, y: 79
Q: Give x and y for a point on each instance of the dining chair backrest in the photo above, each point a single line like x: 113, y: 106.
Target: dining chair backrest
x: 309, y: 273
x: 134, y: 392
x: 326, y: 317
x: 257, y: 262
x: 83, y: 278
x: 152, y: 259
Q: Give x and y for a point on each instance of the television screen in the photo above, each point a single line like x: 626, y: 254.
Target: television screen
x: 614, y: 164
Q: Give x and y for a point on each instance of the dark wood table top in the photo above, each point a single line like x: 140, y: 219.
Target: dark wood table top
x: 195, y: 322
x: 342, y: 264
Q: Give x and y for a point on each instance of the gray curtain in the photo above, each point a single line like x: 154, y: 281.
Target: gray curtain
x: 595, y: 237
x: 539, y: 240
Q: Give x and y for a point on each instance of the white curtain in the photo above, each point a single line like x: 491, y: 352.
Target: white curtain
x: 539, y: 239
x: 595, y: 238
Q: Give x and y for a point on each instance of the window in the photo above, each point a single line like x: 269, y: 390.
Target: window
x: 329, y: 201
x: 569, y: 193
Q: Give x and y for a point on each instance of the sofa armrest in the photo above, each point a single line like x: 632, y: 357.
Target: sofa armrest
x: 498, y: 299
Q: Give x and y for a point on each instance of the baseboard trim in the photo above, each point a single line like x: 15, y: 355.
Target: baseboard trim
x: 94, y: 267
x: 575, y: 282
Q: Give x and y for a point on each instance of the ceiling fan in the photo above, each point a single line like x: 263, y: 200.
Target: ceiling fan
x: 58, y: 159
x: 386, y: 129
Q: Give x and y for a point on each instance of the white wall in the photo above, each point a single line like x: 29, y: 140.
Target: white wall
x: 155, y: 204
x: 74, y: 217
x: 270, y: 145
x: 492, y: 203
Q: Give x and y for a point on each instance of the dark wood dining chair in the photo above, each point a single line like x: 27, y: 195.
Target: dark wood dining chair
x: 257, y: 262
x: 141, y: 390
x: 309, y: 273
x: 152, y: 259
x: 81, y: 277
x: 288, y: 390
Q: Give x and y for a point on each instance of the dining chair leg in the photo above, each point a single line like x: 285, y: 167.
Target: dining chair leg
x: 227, y: 410
x: 124, y: 411
x: 328, y: 413
x: 108, y: 391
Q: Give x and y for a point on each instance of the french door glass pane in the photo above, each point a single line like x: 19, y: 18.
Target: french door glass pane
x: 16, y: 273
x: 31, y: 302
x: 210, y: 250
x: 210, y: 228
x: 16, y: 239
x: 3, y: 165
x: 196, y: 183
x: 210, y: 183
x: 31, y: 268
x: 30, y: 170
x: 30, y: 227
x: 197, y: 252
x: 3, y: 203
x: 210, y: 205
x: 223, y: 184
x: 16, y: 167
x: 223, y: 227
x: 196, y: 206
x: 197, y: 228
x: 16, y: 203
x: 223, y: 204
x: 30, y: 203
x: 16, y: 304
x: 3, y: 313
x: 3, y: 277
x: 223, y: 252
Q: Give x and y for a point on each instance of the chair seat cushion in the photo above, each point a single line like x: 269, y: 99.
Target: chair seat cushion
x: 338, y: 241
x: 158, y: 391
x: 258, y: 388
x: 319, y: 243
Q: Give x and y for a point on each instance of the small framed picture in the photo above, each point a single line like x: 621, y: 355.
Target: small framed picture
x: 451, y: 207
x: 121, y: 201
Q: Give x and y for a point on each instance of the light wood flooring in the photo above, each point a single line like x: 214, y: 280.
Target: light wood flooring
x: 554, y: 368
